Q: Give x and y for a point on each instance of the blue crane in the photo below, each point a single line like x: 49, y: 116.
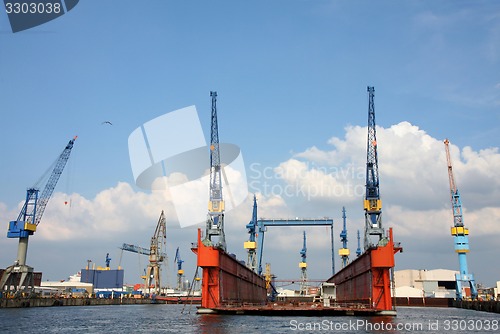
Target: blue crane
x: 180, y: 271
x: 372, y: 202
x: 108, y: 260
x: 303, y: 267
x: 344, y: 251
x: 26, y: 223
x: 251, y: 244
x: 358, y: 250
x: 460, y: 235
x: 215, y: 219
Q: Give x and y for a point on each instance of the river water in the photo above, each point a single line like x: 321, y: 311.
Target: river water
x: 182, y: 319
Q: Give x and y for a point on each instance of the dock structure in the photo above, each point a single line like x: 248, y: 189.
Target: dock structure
x: 368, y: 279
x: 226, y: 281
x: 300, y: 309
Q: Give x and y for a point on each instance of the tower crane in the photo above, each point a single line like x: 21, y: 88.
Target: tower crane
x: 251, y: 244
x: 460, y: 235
x: 303, y: 268
x: 19, y: 276
x: 157, y: 255
x: 180, y: 271
x: 344, y: 251
x: 372, y: 202
x: 215, y: 217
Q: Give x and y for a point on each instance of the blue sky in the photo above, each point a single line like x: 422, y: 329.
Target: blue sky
x: 290, y: 75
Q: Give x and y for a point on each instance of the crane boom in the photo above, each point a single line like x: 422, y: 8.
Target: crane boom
x: 52, y: 182
x: 461, y: 236
x: 372, y: 202
x: 135, y: 249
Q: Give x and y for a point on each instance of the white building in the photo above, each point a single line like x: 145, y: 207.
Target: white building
x: 438, y: 283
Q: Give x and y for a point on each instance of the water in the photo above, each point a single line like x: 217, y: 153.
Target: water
x: 184, y: 320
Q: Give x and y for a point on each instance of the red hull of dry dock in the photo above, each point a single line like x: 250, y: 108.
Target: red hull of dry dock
x: 368, y: 279
x: 225, y: 280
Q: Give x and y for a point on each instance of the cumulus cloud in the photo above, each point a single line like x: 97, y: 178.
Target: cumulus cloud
x: 414, y: 185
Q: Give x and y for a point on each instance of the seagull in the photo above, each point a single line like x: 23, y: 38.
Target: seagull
x: 107, y: 122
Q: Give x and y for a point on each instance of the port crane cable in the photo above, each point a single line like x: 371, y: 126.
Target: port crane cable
x: 190, y: 291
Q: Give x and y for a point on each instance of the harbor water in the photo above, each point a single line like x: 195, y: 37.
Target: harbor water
x: 182, y: 319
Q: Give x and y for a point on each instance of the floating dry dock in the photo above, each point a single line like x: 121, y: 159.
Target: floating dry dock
x: 300, y: 309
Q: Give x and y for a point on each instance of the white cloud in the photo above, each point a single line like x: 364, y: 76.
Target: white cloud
x: 413, y: 176
x: 414, y: 189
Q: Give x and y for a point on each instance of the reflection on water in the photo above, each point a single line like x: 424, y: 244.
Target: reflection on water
x: 177, y: 319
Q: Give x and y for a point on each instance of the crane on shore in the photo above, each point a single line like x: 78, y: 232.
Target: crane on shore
x: 180, y: 271
x: 372, y: 202
x: 251, y: 244
x: 19, y: 277
x: 344, y: 251
x: 157, y: 255
x: 460, y: 235
x: 358, y: 250
x: 303, y: 268
x: 215, y: 217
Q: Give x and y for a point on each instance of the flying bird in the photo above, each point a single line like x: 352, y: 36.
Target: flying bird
x: 107, y: 122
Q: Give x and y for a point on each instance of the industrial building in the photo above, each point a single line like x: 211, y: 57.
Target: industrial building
x: 436, y: 283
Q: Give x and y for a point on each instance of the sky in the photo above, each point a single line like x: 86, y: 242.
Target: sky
x: 291, y: 78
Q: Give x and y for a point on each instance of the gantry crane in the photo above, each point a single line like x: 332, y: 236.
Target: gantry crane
x: 19, y: 277
x: 344, y: 251
x: 372, y: 202
x: 180, y: 271
x: 303, y: 267
x: 251, y: 244
x: 460, y: 235
x: 157, y: 255
x: 215, y: 218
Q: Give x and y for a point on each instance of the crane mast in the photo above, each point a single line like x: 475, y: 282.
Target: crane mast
x: 372, y: 202
x: 303, y: 268
x: 20, y: 275
x: 215, y: 218
x: 460, y: 234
